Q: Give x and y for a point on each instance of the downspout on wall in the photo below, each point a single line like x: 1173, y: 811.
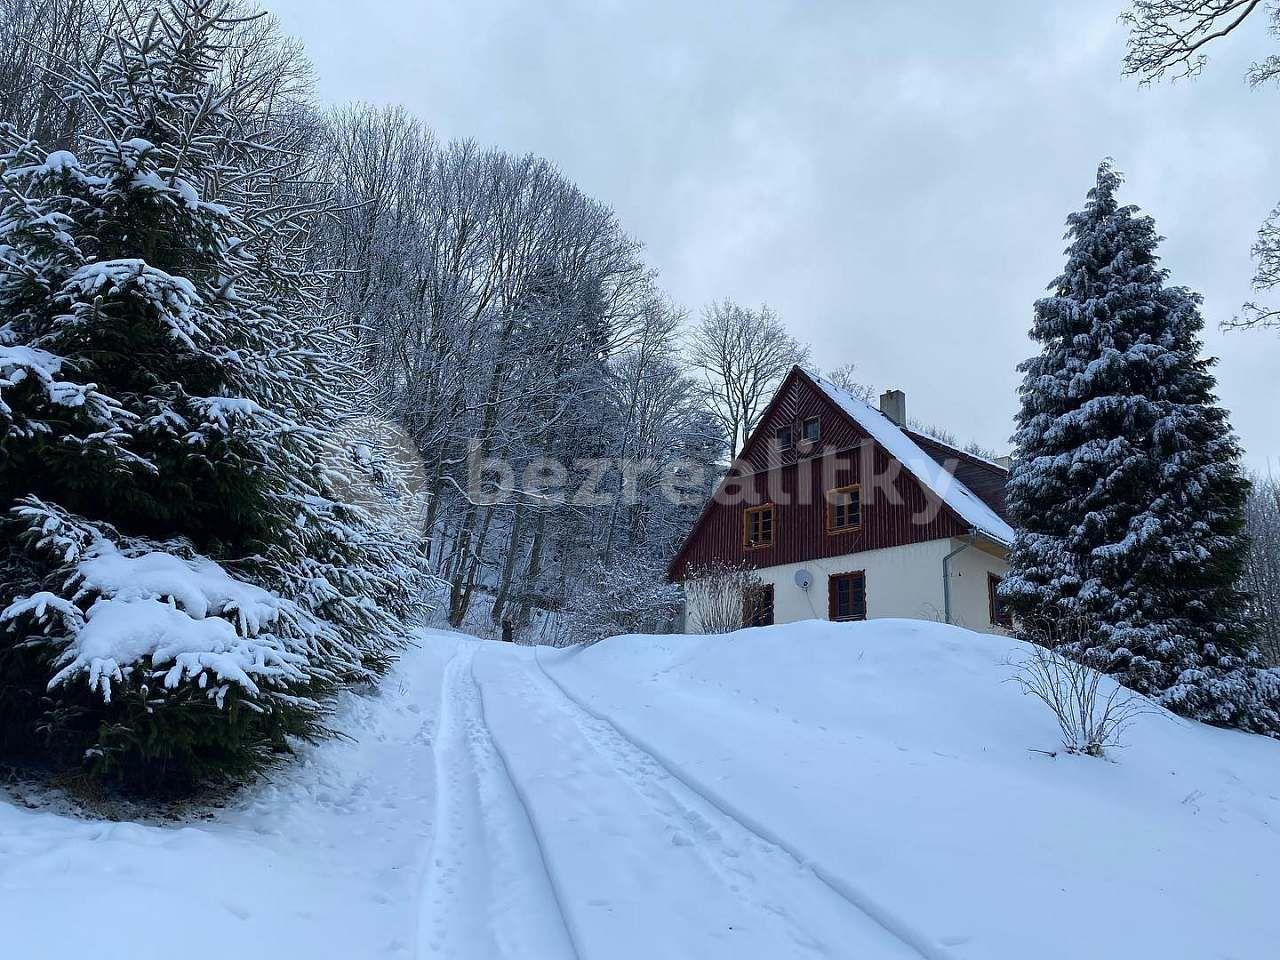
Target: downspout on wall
x: 946, y: 572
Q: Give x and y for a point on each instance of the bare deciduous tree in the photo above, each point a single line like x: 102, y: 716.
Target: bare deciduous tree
x: 266, y: 74
x: 1167, y: 38
x: 943, y: 435
x: 510, y: 319
x: 740, y: 356
x: 846, y: 378
x: 35, y: 36
x: 1262, y: 568
x: 1266, y: 277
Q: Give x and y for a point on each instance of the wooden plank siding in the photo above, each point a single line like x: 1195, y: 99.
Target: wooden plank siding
x: 984, y: 479
x: 796, y: 401
x: 797, y: 484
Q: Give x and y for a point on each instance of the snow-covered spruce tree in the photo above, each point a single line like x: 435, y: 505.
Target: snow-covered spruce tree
x: 1127, y: 488
x: 180, y: 585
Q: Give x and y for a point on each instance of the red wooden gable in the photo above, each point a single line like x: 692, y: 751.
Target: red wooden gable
x: 902, y: 511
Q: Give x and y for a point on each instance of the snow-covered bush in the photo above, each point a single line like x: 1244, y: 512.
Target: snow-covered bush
x: 180, y: 581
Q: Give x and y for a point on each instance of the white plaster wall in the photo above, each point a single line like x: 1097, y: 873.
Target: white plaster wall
x: 901, y: 581
x: 969, y: 601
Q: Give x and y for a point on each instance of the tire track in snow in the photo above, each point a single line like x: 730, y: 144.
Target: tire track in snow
x: 487, y: 894
x: 903, y: 932
x: 653, y: 845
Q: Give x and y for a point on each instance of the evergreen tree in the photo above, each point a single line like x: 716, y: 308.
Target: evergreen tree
x: 180, y: 583
x: 1127, y: 488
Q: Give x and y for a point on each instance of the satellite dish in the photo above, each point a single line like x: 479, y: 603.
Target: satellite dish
x: 804, y: 579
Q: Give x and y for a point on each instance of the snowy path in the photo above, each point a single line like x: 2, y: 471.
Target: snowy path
x: 647, y: 866
x: 487, y: 892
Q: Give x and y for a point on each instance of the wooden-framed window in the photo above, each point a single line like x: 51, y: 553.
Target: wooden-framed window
x: 757, y: 606
x: 847, y: 596
x: 1000, y: 615
x: 758, y: 527
x: 811, y: 431
x: 844, y: 509
x: 785, y: 438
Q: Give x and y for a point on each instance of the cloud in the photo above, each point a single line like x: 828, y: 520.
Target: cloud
x: 892, y: 178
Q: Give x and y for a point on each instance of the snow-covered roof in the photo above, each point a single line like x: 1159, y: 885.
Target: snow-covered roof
x: 923, y: 467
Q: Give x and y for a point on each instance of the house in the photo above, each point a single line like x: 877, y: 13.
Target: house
x: 843, y: 512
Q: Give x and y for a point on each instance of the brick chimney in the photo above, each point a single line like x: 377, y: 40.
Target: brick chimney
x: 893, y: 404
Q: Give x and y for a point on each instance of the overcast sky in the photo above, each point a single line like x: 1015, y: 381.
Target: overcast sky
x: 891, y: 178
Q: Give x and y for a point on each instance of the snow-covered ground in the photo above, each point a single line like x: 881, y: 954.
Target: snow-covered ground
x: 814, y: 790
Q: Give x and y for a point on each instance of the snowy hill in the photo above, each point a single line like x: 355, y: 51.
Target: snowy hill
x: 867, y: 790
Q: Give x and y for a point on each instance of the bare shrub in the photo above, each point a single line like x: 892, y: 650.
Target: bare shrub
x: 714, y: 597
x: 1092, y: 712
x: 631, y: 596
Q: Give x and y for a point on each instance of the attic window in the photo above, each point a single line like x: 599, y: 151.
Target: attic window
x: 844, y: 509
x: 812, y: 431
x: 757, y: 527
x: 785, y: 439
x: 847, y: 596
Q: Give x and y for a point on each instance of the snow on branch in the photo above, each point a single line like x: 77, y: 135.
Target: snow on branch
x: 120, y: 633
x: 199, y: 586
x: 189, y: 618
x: 32, y: 367
x: 174, y: 298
